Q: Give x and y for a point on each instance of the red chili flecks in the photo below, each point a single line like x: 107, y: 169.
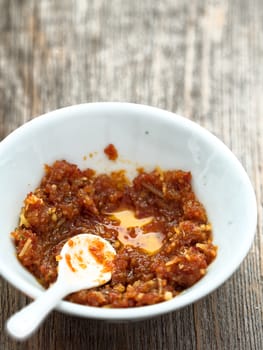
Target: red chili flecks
x: 68, y: 260
x: 71, y: 243
x: 96, y: 249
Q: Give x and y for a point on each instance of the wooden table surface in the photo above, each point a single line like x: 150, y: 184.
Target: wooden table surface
x: 202, y: 59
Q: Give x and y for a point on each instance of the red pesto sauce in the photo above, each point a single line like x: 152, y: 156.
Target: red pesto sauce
x: 70, y: 201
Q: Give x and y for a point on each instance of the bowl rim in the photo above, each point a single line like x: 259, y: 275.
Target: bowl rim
x: 181, y: 300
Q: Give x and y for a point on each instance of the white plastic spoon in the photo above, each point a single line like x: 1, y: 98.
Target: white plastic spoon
x: 85, y: 262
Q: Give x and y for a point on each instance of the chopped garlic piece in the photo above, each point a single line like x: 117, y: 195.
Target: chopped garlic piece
x: 23, y: 220
x: 25, y: 248
x: 168, y: 295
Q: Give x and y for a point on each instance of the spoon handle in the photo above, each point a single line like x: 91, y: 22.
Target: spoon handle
x: 25, y: 322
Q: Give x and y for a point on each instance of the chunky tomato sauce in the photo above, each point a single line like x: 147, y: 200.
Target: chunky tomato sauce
x: 158, y: 228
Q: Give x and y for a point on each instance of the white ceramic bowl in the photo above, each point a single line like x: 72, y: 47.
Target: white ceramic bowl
x: 144, y: 136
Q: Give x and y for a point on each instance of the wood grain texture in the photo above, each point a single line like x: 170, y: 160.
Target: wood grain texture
x: 201, y: 59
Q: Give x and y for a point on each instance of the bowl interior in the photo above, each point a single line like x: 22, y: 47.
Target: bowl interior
x: 144, y: 136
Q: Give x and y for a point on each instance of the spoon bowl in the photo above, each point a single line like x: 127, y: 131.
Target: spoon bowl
x: 85, y: 262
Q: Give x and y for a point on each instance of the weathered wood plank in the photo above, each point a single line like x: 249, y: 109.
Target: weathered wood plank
x: 201, y: 59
